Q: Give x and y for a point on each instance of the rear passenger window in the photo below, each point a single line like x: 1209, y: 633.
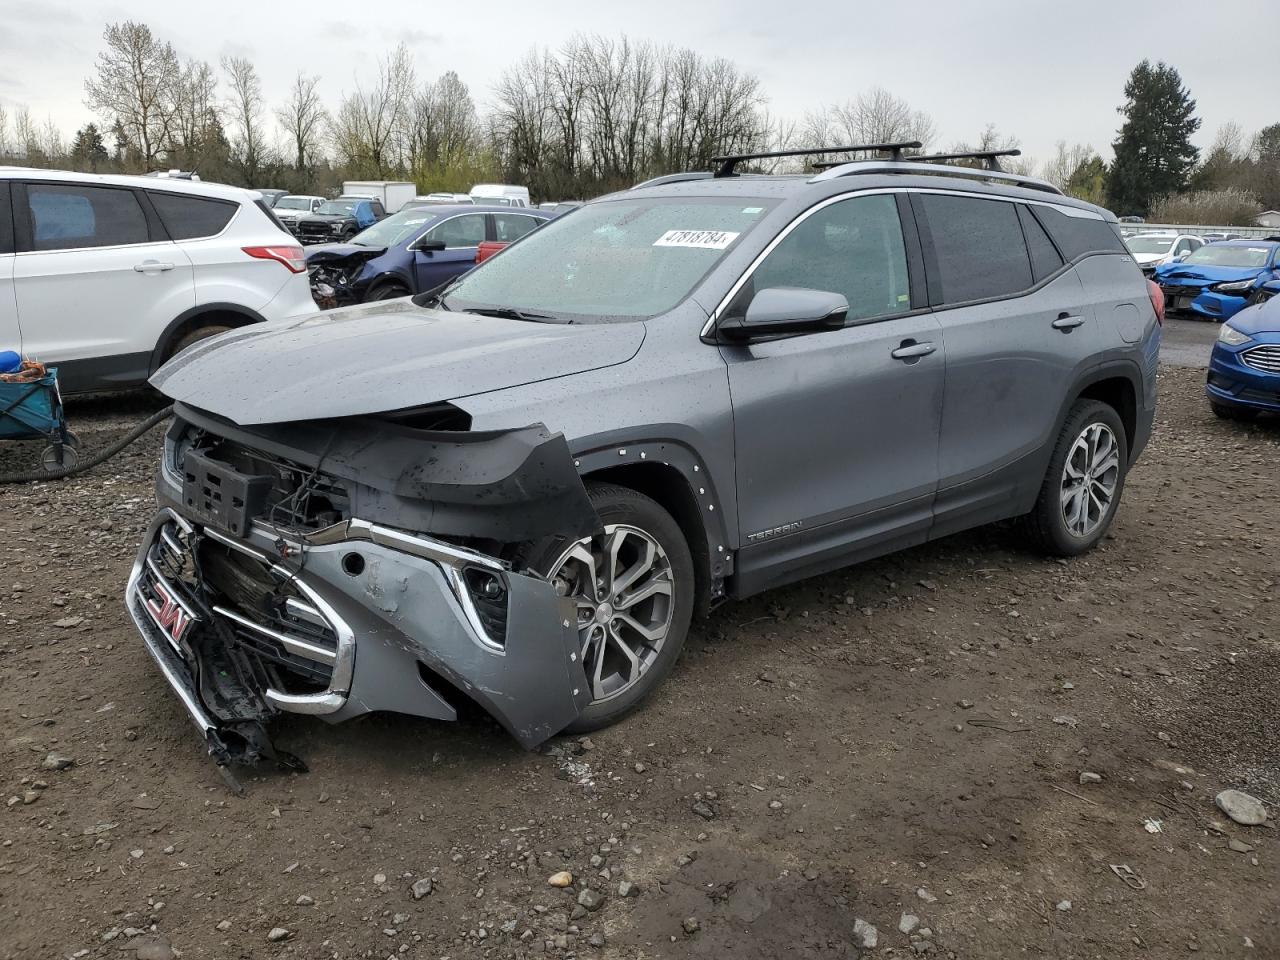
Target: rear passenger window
x: 853, y: 247
x: 979, y: 247
x: 65, y: 217
x: 189, y: 217
x: 1076, y: 236
x: 509, y: 227
x: 1045, y: 259
x: 6, y: 221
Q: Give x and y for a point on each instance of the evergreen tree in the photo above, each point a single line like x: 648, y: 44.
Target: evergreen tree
x: 88, y: 150
x: 1088, y: 181
x: 1154, y: 153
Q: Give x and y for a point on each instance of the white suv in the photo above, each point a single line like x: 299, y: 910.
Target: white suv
x: 108, y: 277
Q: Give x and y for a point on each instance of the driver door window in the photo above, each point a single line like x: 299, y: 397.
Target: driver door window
x: 464, y: 231
x: 853, y: 247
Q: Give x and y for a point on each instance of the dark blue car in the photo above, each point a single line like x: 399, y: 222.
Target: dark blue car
x: 1217, y: 280
x: 1244, y: 369
x: 413, y: 251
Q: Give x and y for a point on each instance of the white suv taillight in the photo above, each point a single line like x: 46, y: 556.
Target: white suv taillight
x: 292, y: 257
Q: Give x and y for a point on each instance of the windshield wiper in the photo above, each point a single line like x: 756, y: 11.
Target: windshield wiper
x: 511, y: 313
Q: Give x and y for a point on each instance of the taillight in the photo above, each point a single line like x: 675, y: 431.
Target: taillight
x: 1157, y: 300
x: 487, y: 248
x: 292, y: 257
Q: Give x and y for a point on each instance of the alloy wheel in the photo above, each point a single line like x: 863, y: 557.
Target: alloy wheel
x: 1089, y: 479
x: 621, y: 584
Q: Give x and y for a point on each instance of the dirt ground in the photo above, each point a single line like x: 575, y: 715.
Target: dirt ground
x: 905, y: 737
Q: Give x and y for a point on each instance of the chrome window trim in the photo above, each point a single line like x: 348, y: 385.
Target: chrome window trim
x: 714, y: 318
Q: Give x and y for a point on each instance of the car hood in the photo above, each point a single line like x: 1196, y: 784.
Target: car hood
x: 1198, y: 273
x: 328, y: 217
x: 328, y: 252
x: 1144, y: 259
x: 380, y: 357
x: 1263, y: 318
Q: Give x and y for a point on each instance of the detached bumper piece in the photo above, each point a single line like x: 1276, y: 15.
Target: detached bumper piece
x: 346, y: 620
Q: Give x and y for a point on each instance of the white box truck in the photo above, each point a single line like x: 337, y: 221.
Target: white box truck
x: 394, y: 194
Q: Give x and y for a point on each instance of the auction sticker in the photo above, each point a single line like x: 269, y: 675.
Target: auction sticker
x: 700, y: 239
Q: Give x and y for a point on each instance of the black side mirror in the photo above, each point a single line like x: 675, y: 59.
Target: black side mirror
x: 429, y: 246
x: 779, y: 310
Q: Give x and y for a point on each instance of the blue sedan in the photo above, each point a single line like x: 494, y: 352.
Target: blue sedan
x: 1218, y: 279
x: 413, y: 251
x: 1244, y: 368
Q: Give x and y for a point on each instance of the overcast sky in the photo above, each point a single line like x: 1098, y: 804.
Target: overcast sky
x: 1042, y: 71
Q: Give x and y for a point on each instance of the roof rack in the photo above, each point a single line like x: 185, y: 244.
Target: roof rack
x: 727, y: 163
x: 673, y: 178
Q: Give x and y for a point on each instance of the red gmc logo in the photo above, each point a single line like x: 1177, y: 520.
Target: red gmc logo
x: 166, y: 612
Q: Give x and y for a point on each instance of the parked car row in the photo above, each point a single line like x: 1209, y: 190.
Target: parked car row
x: 1219, y: 279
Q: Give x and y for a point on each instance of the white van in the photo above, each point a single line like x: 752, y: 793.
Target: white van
x: 500, y: 195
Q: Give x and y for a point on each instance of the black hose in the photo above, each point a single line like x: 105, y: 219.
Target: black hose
x: 146, y: 425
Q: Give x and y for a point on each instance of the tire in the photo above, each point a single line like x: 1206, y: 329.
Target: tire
x: 195, y: 336
x: 1224, y: 412
x: 387, y: 291
x: 633, y: 518
x: 1068, y: 527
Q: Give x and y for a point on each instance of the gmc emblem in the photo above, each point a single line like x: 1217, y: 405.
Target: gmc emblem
x: 168, y: 614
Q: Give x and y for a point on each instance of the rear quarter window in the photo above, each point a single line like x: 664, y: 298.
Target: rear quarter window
x: 1078, y: 236
x: 187, y: 218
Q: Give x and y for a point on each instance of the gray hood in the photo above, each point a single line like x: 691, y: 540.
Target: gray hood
x: 380, y: 357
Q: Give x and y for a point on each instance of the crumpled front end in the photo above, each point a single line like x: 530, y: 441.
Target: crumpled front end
x: 260, y: 590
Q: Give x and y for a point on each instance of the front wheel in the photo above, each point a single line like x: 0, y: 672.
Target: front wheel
x: 1082, y: 487
x: 633, y: 587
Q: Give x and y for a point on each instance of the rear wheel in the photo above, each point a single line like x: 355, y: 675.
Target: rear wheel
x: 633, y: 587
x: 388, y: 291
x: 1224, y: 412
x: 1084, y: 481
x: 195, y: 336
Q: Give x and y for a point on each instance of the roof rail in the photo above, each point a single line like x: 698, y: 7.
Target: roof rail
x: 727, y: 163
x: 673, y: 178
x: 933, y: 170
x: 992, y: 157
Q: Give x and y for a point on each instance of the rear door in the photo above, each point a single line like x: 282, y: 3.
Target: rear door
x: 97, y: 281
x: 1018, y: 328
x: 461, y: 235
x: 836, y: 433
x: 10, y: 331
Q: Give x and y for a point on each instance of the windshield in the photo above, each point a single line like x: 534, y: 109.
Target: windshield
x: 1150, y: 244
x: 1229, y: 255
x: 492, y: 201
x: 337, y: 207
x: 615, y: 260
x: 396, y: 229
x: 293, y: 203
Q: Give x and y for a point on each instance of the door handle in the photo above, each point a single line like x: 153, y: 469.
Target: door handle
x: 152, y: 266
x: 1066, y: 322
x: 910, y: 350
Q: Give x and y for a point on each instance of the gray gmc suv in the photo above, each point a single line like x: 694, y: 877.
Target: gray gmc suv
x: 519, y: 489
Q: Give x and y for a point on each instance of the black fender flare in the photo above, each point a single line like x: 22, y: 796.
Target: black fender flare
x: 622, y: 449
x: 165, y: 341
x: 389, y: 277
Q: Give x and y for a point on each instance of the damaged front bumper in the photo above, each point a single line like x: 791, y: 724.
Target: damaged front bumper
x: 345, y: 620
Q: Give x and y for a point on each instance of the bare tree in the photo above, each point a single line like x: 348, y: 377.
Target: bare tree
x: 244, y: 110
x: 196, y: 113
x: 303, y: 118
x: 4, y: 131
x: 369, y: 130
x: 1066, y: 161
x: 134, y: 86
x: 26, y: 135
x: 875, y: 116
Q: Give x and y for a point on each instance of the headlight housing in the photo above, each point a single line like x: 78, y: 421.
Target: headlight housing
x: 1233, y: 286
x: 1231, y: 336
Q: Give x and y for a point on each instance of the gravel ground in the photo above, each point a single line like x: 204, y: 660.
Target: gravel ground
x: 907, y: 737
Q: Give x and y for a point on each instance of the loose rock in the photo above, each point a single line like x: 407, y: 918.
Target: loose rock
x: 422, y: 888
x: 690, y: 925
x: 56, y: 761
x: 925, y: 895
x: 561, y: 879
x: 1088, y: 777
x: 277, y: 934
x: 628, y: 889
x: 866, y: 934
x: 908, y: 922
x: 1241, y: 807
x: 590, y: 900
